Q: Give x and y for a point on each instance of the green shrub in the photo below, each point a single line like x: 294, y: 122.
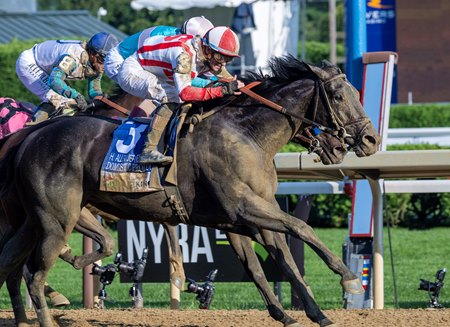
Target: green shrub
x: 419, y: 115
x: 317, y: 51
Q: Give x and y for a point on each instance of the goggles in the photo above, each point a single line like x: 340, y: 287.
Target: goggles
x: 220, y: 58
x: 100, y: 59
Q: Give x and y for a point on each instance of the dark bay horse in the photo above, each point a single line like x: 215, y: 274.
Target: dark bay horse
x: 227, y: 177
x: 331, y: 151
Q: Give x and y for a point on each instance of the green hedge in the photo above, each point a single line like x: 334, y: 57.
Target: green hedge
x: 12, y: 87
x: 420, y: 115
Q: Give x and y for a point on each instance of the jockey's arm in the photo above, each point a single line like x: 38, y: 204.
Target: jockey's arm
x: 188, y: 92
x: 192, y: 90
x: 57, y: 77
x: 95, y: 86
x: 204, y: 82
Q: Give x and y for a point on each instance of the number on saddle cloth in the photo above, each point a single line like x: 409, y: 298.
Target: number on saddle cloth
x: 13, y: 116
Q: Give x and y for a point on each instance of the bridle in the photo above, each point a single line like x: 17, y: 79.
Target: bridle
x: 337, y: 130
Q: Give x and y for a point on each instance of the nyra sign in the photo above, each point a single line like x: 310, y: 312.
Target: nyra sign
x: 203, y: 249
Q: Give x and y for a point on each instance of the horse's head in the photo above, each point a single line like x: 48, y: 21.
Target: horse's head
x: 342, y: 114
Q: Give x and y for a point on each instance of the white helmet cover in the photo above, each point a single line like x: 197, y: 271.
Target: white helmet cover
x: 196, y: 26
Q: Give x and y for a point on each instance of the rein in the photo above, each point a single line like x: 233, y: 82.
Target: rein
x: 338, y: 129
x: 319, y: 85
x: 112, y: 104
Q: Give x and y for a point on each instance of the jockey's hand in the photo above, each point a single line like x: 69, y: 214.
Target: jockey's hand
x: 81, y: 103
x: 231, y: 88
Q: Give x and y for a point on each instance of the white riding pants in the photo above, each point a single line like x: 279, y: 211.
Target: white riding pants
x: 139, y: 82
x: 36, y: 80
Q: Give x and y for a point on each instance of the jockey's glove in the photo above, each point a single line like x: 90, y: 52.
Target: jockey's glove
x: 230, y: 87
x: 81, y: 102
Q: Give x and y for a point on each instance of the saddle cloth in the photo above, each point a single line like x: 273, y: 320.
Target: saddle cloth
x: 121, y: 170
x: 13, y: 116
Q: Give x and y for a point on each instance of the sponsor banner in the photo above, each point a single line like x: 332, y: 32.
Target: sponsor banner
x: 204, y: 249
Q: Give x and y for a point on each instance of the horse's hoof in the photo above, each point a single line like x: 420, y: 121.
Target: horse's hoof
x: 352, y: 286
x: 58, y: 300
x: 327, y: 322
x: 295, y: 324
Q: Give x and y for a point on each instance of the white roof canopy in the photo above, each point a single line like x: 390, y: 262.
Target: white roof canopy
x: 183, y: 4
x: 276, y: 31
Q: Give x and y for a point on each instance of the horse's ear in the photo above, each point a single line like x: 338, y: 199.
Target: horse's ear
x: 327, y: 64
x: 315, y: 71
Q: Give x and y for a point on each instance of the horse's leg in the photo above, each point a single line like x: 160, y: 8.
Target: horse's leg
x: 177, y: 276
x: 15, y: 251
x: 256, y: 211
x: 13, y: 282
x: 277, y: 247
x: 243, y: 247
x: 89, y: 226
x: 43, y: 259
x: 56, y: 214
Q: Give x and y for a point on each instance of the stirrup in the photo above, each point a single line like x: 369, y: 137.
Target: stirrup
x: 154, y: 156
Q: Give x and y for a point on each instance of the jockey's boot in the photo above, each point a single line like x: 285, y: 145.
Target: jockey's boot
x: 150, y: 153
x: 43, y: 112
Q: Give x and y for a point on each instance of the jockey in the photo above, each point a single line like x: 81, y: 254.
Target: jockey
x: 45, y: 68
x: 115, y: 58
x: 163, y: 68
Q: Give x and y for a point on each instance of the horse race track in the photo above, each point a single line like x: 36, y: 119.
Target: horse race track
x: 236, y: 318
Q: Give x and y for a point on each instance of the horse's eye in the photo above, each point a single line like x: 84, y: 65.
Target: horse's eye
x: 337, y: 97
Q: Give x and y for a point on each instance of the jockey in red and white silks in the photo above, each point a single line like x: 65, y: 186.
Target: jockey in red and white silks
x: 164, y: 66
x: 117, y: 55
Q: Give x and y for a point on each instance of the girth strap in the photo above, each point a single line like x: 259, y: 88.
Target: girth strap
x: 175, y: 202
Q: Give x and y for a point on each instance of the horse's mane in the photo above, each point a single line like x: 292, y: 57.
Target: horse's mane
x: 283, y: 70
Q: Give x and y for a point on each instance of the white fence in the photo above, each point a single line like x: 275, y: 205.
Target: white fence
x: 436, y: 135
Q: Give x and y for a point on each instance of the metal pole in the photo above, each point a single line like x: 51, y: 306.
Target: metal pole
x: 356, y: 40
x: 378, y: 261
x: 303, y: 25
x: 88, y: 280
x: 332, y: 28
x: 297, y: 247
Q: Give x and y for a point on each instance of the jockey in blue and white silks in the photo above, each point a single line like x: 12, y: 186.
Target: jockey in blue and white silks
x: 46, y: 68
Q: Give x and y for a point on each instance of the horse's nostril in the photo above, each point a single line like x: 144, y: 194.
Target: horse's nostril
x: 339, y: 150
x: 370, y: 139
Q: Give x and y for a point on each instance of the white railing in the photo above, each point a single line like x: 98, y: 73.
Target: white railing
x: 434, y: 135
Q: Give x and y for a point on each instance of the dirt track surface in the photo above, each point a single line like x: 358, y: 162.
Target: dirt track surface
x: 236, y: 318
